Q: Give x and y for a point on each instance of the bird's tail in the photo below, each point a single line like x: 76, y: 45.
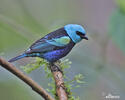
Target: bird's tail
x: 18, y: 57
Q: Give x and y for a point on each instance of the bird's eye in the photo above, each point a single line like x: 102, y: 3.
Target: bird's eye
x: 80, y: 33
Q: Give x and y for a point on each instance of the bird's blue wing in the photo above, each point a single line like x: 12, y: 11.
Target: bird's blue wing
x: 46, y: 45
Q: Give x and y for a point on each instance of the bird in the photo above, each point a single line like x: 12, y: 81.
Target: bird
x: 55, y: 45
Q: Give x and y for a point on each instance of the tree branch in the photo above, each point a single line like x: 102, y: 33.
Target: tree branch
x: 60, y: 87
x: 37, y: 88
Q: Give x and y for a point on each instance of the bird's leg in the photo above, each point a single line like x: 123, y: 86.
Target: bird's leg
x: 58, y: 65
x: 54, y: 67
x: 58, y: 61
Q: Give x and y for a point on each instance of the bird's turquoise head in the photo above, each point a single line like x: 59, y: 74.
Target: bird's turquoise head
x: 76, y: 32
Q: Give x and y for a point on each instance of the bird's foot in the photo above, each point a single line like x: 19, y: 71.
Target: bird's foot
x: 55, y: 68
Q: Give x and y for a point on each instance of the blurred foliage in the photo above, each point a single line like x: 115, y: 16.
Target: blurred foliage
x: 22, y: 21
x: 69, y: 83
x: 117, y: 25
x: 121, y: 5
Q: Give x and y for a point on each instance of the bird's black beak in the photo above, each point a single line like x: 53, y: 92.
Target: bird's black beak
x: 84, y: 37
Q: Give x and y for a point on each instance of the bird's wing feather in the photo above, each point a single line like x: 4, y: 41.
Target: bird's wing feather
x: 62, y: 41
x: 46, y: 45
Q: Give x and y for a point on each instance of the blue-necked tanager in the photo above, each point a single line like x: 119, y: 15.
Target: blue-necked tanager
x: 55, y: 45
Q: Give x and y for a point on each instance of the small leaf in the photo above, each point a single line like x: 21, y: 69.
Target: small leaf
x: 78, y: 81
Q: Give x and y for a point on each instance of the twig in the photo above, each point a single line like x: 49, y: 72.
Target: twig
x: 60, y: 87
x: 37, y: 88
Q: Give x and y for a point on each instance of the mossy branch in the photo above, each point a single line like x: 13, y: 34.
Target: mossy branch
x: 57, y: 87
x: 59, y: 82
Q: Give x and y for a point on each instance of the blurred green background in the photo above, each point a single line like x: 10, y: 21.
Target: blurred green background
x: 101, y: 59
